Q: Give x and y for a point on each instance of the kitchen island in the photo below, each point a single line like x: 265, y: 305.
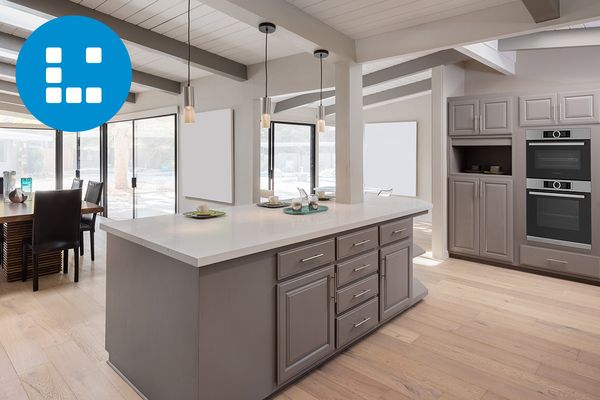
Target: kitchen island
x: 237, y: 307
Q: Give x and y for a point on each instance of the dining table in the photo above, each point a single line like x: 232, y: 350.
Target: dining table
x: 16, y: 221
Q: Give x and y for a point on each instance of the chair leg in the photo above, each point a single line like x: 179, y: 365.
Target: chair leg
x: 76, y: 265
x: 35, y: 273
x: 65, y: 262
x: 92, y: 244
x: 81, y: 243
x: 24, y: 264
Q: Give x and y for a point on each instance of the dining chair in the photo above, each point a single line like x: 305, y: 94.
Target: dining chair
x: 56, y: 218
x: 77, y: 183
x: 88, y: 221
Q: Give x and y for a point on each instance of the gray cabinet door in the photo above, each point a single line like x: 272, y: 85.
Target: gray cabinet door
x: 579, y: 107
x: 496, y: 230
x: 464, y: 215
x: 537, y: 110
x: 463, y: 117
x: 395, y: 289
x: 496, y: 116
x: 305, y: 323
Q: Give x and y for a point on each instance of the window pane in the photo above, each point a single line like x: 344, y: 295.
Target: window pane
x: 292, y: 159
x: 155, y: 166
x: 327, y: 158
x: 31, y: 153
x: 120, y: 170
x: 89, y: 156
x: 69, y: 158
x: 264, y: 159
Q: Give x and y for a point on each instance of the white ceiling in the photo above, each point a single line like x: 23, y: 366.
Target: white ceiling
x: 359, y: 19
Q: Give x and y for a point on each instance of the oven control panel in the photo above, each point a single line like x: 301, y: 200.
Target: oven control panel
x: 557, y: 134
x: 564, y: 185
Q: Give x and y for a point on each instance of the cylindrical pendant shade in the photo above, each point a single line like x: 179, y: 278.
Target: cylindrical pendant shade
x: 265, y: 112
x: 321, y: 125
x: 189, y: 115
x: 189, y: 112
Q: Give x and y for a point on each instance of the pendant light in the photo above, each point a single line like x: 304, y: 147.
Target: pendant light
x: 265, y: 102
x: 189, y: 112
x: 321, y: 125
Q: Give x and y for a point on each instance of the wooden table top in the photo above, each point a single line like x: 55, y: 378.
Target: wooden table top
x: 11, y: 212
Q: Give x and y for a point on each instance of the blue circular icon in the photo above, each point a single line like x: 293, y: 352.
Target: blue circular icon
x: 73, y: 73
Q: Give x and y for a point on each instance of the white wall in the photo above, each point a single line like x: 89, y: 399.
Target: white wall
x: 539, y: 71
x: 412, y: 109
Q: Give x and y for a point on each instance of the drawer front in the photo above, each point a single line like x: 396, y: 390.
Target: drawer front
x: 357, y: 242
x: 561, y: 261
x: 305, y: 258
x: 395, y: 231
x: 357, y: 268
x: 357, y: 293
x: 356, y: 322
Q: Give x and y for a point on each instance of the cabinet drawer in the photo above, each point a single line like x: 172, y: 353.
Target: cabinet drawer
x: 356, y: 322
x: 561, y: 261
x: 356, y: 243
x: 305, y: 258
x: 357, y: 268
x: 357, y: 293
x: 395, y: 231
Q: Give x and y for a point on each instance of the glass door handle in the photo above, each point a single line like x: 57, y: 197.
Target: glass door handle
x: 133, y: 182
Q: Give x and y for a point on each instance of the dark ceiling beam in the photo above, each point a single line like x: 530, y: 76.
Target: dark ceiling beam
x: 390, y: 94
x: 14, y: 43
x: 443, y: 57
x: 144, y: 37
x: 543, y: 10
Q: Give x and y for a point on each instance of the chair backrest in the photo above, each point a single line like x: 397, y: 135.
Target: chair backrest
x: 77, y: 183
x: 93, y: 194
x: 56, y: 216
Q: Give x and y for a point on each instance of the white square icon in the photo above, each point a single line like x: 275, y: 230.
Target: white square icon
x: 93, y: 95
x: 53, y: 95
x: 73, y: 95
x: 53, y: 75
x: 93, y: 55
x: 53, y: 55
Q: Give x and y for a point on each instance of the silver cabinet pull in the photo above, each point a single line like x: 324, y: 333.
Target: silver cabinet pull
x: 312, y: 257
x: 361, y: 268
x: 361, y: 242
x: 364, y: 321
x: 361, y: 294
x: 551, y: 260
x: 397, y: 231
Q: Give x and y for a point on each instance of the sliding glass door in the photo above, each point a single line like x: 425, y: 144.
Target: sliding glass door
x: 141, y: 175
x: 81, y: 157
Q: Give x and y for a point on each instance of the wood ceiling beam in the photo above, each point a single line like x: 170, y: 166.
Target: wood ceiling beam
x: 552, y: 40
x: 13, y: 108
x: 14, y: 43
x: 294, y: 26
x: 543, y: 10
x: 443, y: 57
x: 203, y: 59
x: 508, y: 19
x: 390, y: 94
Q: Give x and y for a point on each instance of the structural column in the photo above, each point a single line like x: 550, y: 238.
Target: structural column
x: 349, y: 129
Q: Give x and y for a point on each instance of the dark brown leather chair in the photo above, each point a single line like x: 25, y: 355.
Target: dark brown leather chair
x: 56, y: 218
x: 77, y: 183
x: 93, y: 194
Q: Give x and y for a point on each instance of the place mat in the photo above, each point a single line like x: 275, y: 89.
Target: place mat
x: 266, y: 204
x: 199, y: 215
x: 305, y: 210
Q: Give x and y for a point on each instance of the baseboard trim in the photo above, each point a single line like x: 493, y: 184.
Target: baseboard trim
x: 126, y: 380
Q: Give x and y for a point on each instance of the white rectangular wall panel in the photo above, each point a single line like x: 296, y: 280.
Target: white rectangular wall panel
x: 390, y: 157
x: 206, y: 149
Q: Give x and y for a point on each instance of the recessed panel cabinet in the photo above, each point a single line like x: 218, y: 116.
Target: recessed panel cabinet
x: 305, y: 321
x: 563, y: 108
x: 395, y: 279
x: 480, y: 116
x: 481, y: 217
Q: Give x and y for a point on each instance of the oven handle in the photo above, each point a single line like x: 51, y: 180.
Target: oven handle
x: 558, y: 144
x: 570, y: 196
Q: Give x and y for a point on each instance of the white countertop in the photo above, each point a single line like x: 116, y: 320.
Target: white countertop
x: 249, y: 229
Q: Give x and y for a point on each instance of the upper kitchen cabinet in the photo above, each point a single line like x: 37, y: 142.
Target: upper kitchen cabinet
x: 463, y: 117
x: 564, y: 108
x: 480, y: 116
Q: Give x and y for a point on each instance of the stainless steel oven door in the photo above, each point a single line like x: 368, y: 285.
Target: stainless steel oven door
x: 559, y: 217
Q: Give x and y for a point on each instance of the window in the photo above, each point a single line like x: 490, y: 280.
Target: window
x: 326, y: 158
x: 81, y: 156
x: 30, y: 153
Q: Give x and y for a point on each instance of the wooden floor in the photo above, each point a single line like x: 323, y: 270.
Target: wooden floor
x: 482, y: 333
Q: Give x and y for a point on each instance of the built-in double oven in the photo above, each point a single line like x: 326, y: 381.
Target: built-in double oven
x: 559, y: 189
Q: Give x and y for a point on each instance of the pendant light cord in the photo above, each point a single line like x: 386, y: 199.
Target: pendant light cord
x: 266, y: 63
x: 188, y: 39
x: 321, y: 94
